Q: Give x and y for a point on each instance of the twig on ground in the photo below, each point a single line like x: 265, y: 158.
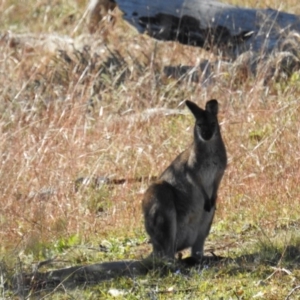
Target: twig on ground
x: 292, y: 291
x: 277, y: 270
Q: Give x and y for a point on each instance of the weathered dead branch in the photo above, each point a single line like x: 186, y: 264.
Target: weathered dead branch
x: 225, y: 29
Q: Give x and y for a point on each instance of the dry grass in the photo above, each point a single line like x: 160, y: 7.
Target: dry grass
x: 66, y: 117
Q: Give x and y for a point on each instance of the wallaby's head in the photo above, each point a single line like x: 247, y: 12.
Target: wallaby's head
x: 206, y: 120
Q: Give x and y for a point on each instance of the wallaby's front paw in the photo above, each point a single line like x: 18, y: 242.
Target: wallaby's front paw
x: 207, y: 206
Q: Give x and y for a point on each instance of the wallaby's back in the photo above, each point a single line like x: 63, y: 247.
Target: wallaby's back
x: 179, y: 207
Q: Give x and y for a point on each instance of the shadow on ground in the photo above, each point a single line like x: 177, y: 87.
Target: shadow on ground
x: 23, y: 284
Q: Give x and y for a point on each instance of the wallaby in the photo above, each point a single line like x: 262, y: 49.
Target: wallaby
x: 179, y: 207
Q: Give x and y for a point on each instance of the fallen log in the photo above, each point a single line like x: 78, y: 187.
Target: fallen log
x: 225, y: 29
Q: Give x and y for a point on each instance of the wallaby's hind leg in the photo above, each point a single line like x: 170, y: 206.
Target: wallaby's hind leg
x: 160, y: 219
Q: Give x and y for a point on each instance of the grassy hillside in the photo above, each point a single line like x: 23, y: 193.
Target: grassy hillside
x: 84, y: 111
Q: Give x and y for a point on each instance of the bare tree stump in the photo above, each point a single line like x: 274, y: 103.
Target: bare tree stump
x: 97, y: 10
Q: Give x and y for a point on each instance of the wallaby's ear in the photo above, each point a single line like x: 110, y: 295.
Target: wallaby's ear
x: 194, y: 108
x: 212, y: 106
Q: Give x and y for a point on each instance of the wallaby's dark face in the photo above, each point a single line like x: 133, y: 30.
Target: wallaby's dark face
x: 206, y: 120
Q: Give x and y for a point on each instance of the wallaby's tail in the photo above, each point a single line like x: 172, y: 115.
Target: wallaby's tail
x: 74, y: 277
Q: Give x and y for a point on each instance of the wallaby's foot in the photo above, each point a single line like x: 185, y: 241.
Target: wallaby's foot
x: 162, y: 265
x: 192, y: 261
x: 157, y: 259
x: 211, y: 259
